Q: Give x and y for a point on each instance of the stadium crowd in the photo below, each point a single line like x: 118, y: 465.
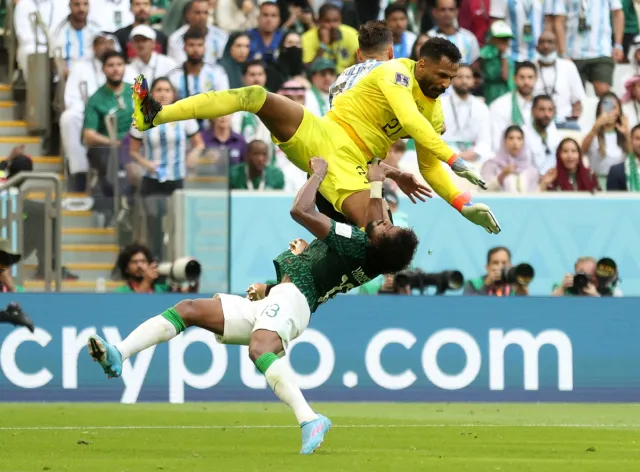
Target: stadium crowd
x: 546, y: 99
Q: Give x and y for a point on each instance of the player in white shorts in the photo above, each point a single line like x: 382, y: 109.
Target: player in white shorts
x: 341, y: 258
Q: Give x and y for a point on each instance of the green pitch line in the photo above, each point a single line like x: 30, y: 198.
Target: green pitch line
x: 366, y: 438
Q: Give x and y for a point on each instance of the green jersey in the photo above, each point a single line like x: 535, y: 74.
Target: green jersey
x: 105, y: 102
x: 329, y: 266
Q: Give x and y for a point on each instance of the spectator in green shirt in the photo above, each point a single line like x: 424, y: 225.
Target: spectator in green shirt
x: 631, y: 28
x: 254, y: 173
x: 113, y: 98
x: 496, y: 65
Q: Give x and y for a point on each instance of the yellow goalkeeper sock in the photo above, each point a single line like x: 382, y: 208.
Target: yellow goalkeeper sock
x: 210, y: 105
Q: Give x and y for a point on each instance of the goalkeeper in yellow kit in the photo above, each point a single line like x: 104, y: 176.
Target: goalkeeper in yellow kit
x: 384, y: 102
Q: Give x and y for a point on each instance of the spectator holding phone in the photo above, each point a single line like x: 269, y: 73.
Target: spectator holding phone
x: 607, y: 143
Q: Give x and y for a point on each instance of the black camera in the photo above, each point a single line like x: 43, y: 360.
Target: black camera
x: 442, y: 281
x: 606, y: 278
x: 521, y: 274
x: 580, y: 282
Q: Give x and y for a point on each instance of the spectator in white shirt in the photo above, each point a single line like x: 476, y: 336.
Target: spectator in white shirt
x: 73, y: 37
x: 397, y: 19
x: 514, y: 108
x: 607, y: 143
x: 445, y: 15
x: 526, y: 19
x: 631, y: 100
x: 111, y: 15
x: 195, y: 76
x: 32, y: 40
x: 511, y: 170
x: 141, y: 10
x: 147, y: 61
x: 323, y: 75
x: 466, y: 119
x: 85, y: 77
x: 542, y: 136
x: 232, y: 15
x: 196, y: 13
x: 585, y: 28
x: 559, y: 78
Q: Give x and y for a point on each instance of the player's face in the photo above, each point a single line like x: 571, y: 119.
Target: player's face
x: 397, y: 22
x: 434, y: 77
x: 255, y: 76
x: 379, y: 228
x: 194, y: 49
x: 570, y: 155
x: 543, y: 113
x: 141, y: 10
x: 269, y: 19
x: 163, y: 92
x: 525, y: 81
x: 79, y: 9
x: 240, y: 49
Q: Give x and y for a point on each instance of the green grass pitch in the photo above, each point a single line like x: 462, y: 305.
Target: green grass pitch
x: 233, y: 437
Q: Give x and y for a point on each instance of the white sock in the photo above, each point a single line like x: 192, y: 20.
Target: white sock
x: 281, y: 381
x: 154, y: 331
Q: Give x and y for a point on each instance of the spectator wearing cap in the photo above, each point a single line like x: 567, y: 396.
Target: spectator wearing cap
x: 141, y: 10
x: 147, y: 61
x: 85, y: 77
x: 496, y: 64
x: 255, y: 174
x: 323, y: 75
x: 74, y: 35
x: 398, y: 20
x: 445, y: 13
x: 586, y: 30
x: 330, y: 39
x: 8, y: 258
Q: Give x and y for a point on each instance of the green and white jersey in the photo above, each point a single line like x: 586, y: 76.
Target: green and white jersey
x: 327, y: 267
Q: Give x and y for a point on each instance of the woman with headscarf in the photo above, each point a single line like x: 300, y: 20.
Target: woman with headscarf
x: 235, y: 54
x: 570, y: 174
x: 511, y: 170
x: 288, y: 64
x: 631, y: 100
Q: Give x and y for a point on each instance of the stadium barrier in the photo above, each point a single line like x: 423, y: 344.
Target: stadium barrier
x: 548, y: 231
x: 356, y: 349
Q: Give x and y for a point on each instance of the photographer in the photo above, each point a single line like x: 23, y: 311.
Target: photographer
x: 495, y: 282
x: 8, y: 258
x: 591, y: 279
x: 139, y: 271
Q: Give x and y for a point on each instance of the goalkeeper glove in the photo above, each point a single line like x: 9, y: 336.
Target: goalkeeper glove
x: 481, y: 215
x: 464, y: 170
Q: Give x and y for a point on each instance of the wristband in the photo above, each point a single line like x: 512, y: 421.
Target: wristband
x: 618, y: 46
x: 316, y: 175
x: 376, y: 189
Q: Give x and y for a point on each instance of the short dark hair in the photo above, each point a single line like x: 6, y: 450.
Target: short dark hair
x: 194, y: 32
x: 540, y: 98
x: 326, y: 8
x: 374, y: 35
x: 127, y: 253
x: 437, y: 48
x: 391, y: 254
x: 465, y: 66
x: 251, y: 63
x: 394, y: 8
x: 189, y: 5
x: 635, y: 128
x: 525, y: 65
x: 496, y: 249
x: 111, y: 54
x: 269, y: 4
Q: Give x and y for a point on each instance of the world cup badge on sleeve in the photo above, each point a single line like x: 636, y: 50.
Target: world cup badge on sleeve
x: 402, y: 79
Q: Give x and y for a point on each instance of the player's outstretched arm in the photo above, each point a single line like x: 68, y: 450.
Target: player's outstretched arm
x: 376, y: 175
x: 304, y: 207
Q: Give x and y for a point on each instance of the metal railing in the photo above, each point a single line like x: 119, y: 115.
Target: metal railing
x: 12, y: 221
x: 10, y: 42
x: 113, y: 168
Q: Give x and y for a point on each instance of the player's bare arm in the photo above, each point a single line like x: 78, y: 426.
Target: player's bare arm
x: 408, y: 183
x: 304, y: 210
x: 376, y: 175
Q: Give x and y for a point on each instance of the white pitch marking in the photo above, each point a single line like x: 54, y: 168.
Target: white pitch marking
x: 346, y: 426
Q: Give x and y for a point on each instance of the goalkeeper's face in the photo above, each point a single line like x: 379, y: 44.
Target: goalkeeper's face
x: 434, y: 77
